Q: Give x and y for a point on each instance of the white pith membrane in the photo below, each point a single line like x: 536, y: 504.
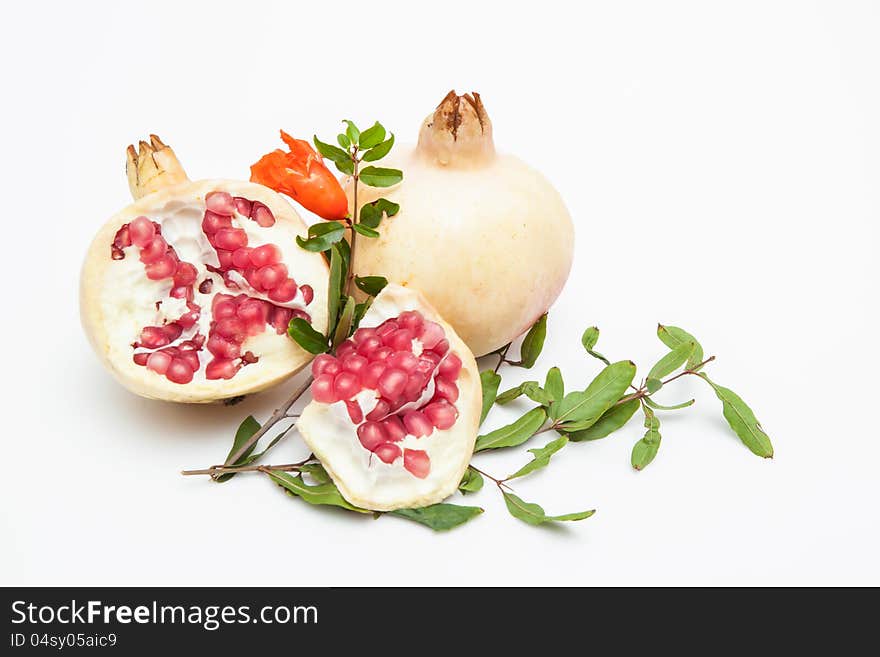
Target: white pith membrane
x: 187, y: 293
x: 395, y: 413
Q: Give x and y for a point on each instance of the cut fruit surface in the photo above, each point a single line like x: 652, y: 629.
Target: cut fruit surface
x: 187, y: 293
x: 395, y: 412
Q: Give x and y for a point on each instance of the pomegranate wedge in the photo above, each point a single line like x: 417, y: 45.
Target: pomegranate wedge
x: 187, y: 293
x: 395, y: 412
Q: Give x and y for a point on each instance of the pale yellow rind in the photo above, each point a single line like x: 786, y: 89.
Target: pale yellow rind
x: 313, y: 427
x: 288, y: 358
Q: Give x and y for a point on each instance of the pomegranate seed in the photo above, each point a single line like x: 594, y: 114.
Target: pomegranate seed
x: 191, y: 357
x: 355, y: 364
x: 320, y: 364
x: 414, y: 386
x: 322, y: 389
x: 153, y: 337
x: 372, y: 372
x: 355, y: 414
x: 214, y: 222
x: 302, y: 315
x: 283, y: 292
x: 417, y: 424
x: 450, y: 368
x: 346, y: 385
x: 179, y: 371
x: 241, y: 258
x: 205, y: 286
x: 441, y: 347
x: 159, y: 361
x: 262, y: 215
x: 223, y: 306
x: 391, y: 383
x: 271, y: 276
x: 154, y: 250
x: 172, y: 331
x: 249, y: 358
x: 445, y: 390
x: 394, y: 428
x: 267, y: 254
x: 231, y: 328
x: 380, y: 410
x: 431, y: 335
x: 308, y: 293
x: 141, y: 359
x: 181, y: 292
x: 242, y: 206
x: 387, y: 452
x: 417, y: 462
x: 368, y: 346
x: 362, y: 334
x: 221, y: 368
x: 223, y: 348
x: 382, y: 353
x: 225, y: 259
x: 425, y: 366
x: 141, y: 232
x: 371, y: 435
x: 441, y: 414
x: 400, y: 340
x: 412, y: 320
x: 253, y: 312
x: 403, y: 360
x: 185, y: 275
x: 221, y: 203
x: 386, y: 327
x: 122, y: 238
x: 281, y: 319
x: 230, y: 239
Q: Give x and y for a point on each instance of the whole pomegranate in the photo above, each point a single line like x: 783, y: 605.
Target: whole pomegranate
x: 186, y: 294
x: 395, y: 412
x: 483, y: 236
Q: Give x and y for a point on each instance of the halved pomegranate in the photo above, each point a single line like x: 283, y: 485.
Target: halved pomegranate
x: 395, y: 413
x: 187, y: 293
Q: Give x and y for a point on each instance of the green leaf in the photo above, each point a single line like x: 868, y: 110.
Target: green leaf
x: 471, y: 482
x: 372, y: 213
x: 365, y: 231
x: 322, y: 236
x: 513, y: 434
x: 589, y: 340
x: 742, y: 420
x: 440, y: 517
x: 343, y: 141
x: 509, y: 395
x: 660, y: 407
x: 653, y: 385
x: 602, y: 393
x: 372, y: 136
x: 541, y: 457
x: 372, y: 285
x: 331, y: 152
x: 306, y: 337
x: 317, y: 472
x: 645, y: 450
x: 672, y: 336
x: 533, y: 514
x: 352, y: 131
x: 553, y: 385
x: 346, y: 167
x: 673, y: 360
x: 380, y: 176
x: 248, y: 427
x: 530, y: 389
x: 326, y: 493
x: 380, y: 151
x: 612, y: 420
x: 359, y: 311
x: 337, y: 280
x: 533, y: 343
x: 489, y: 381
x: 343, y: 327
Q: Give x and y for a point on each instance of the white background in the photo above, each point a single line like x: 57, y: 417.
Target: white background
x: 721, y: 162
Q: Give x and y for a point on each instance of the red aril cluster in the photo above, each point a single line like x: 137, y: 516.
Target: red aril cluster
x: 383, y: 360
x: 234, y: 318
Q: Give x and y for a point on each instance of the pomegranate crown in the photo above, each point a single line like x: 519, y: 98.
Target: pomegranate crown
x: 458, y: 133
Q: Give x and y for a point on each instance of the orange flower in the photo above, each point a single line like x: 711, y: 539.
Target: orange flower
x: 302, y: 175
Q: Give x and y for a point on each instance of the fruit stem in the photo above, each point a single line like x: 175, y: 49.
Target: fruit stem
x: 223, y: 469
x: 354, y: 219
x: 276, y: 417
